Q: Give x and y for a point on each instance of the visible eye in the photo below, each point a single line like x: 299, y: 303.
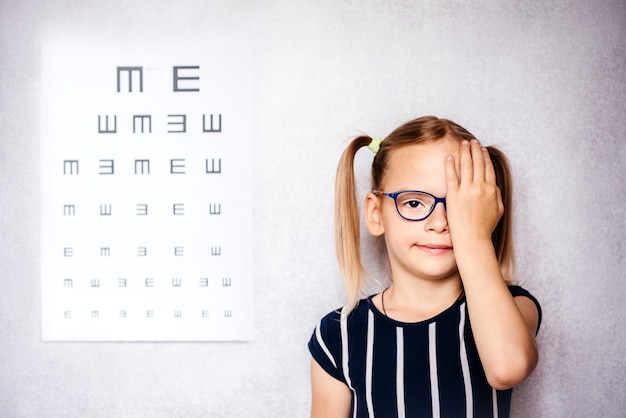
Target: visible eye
x: 414, y: 204
x: 415, y: 201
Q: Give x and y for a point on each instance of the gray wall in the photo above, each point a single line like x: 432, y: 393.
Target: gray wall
x: 544, y: 80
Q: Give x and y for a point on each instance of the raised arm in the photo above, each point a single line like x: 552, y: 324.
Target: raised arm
x: 504, y: 327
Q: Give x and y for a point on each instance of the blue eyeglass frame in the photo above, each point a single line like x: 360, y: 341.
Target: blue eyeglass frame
x: 394, y: 196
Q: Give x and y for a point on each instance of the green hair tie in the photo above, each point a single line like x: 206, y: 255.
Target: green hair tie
x: 375, y: 144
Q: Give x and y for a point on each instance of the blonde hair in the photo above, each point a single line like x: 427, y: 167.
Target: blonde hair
x: 347, y: 217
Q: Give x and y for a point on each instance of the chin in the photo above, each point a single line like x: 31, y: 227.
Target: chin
x: 442, y: 274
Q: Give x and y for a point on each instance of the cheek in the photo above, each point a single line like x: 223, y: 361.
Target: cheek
x: 398, y: 229
x: 389, y: 215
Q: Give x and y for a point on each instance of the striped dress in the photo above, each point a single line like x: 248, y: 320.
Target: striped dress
x: 396, y: 369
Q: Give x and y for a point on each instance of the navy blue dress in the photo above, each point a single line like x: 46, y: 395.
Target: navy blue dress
x: 396, y: 369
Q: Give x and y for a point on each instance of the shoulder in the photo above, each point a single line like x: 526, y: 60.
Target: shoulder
x: 325, y: 343
x: 519, y: 291
x: 330, y: 324
x: 329, y: 327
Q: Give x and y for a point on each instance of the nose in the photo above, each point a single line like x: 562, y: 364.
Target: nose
x: 438, y: 220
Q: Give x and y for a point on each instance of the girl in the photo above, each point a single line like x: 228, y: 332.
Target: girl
x: 452, y: 335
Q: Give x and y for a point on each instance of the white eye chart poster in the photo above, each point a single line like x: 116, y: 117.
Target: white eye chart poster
x: 146, y: 228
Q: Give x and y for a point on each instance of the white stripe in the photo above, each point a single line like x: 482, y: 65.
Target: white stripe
x: 432, y: 360
x: 400, y: 371
x: 469, y: 401
x: 344, y: 356
x: 369, y: 358
x: 320, y: 340
x: 495, y: 402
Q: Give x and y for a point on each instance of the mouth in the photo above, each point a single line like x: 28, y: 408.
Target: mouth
x: 434, y: 249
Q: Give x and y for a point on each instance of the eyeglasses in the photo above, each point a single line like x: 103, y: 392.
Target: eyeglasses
x: 413, y: 205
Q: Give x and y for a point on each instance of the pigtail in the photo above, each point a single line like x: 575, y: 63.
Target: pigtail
x: 502, y: 236
x: 347, y: 224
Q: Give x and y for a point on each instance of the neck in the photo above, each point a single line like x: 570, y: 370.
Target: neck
x: 416, y: 301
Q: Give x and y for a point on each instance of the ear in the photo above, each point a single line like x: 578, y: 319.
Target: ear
x: 373, y: 215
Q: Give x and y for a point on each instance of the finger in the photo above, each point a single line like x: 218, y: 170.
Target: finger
x: 467, y: 169
x: 457, y: 166
x: 500, y: 202
x: 452, y: 180
x: 490, y: 171
x: 477, y: 161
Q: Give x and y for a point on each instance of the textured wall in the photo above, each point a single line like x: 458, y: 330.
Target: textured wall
x: 544, y: 80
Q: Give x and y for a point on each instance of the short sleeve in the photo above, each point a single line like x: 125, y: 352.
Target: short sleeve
x: 520, y: 291
x: 325, y: 345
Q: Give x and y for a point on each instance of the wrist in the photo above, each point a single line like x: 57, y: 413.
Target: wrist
x: 478, y: 266
x: 477, y: 251
x: 471, y: 239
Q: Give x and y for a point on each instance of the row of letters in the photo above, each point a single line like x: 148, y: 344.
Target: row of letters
x: 178, y: 251
x: 141, y: 209
x: 143, y: 124
x: 179, y: 73
x: 143, y: 166
x: 148, y: 314
x: 149, y: 282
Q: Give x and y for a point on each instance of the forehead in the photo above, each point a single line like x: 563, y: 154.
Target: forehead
x: 420, y: 165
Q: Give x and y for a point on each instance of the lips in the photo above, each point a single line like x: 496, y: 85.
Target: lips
x: 435, y: 249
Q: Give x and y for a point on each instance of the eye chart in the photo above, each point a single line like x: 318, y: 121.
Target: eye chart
x: 146, y: 157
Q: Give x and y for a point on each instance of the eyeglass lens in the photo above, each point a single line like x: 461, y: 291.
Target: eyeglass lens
x: 414, y: 205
